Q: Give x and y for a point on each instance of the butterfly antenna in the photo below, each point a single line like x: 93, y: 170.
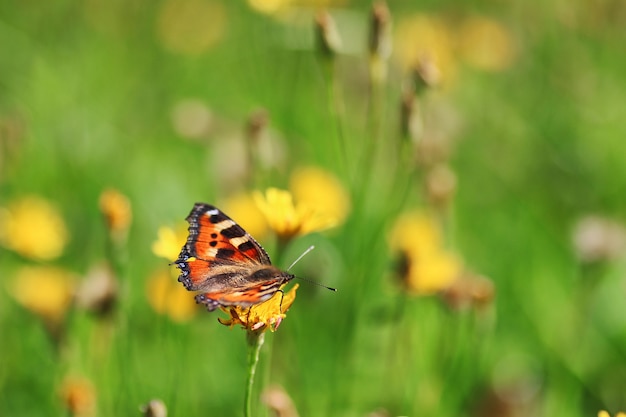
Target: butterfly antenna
x: 310, y: 248
x: 310, y: 281
x: 301, y: 256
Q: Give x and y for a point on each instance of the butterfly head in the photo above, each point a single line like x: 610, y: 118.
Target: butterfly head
x: 271, y: 274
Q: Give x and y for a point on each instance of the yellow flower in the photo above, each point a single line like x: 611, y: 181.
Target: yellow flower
x: 191, y: 27
x: 287, y: 219
x: 433, y: 274
x: 260, y: 317
x: 169, y: 242
x: 318, y: 188
x: 486, y: 44
x: 116, y: 209
x: 604, y: 413
x: 79, y: 396
x: 321, y: 203
x: 168, y: 297
x: 276, y: 7
x: 45, y: 291
x: 33, y: 227
x: 427, y: 268
x: 244, y: 209
x: 415, y: 231
x: 268, y: 6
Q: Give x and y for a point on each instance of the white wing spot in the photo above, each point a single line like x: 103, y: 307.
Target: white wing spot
x: 224, y: 224
x: 236, y: 241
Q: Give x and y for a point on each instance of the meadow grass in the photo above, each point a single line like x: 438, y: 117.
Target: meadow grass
x: 493, y: 298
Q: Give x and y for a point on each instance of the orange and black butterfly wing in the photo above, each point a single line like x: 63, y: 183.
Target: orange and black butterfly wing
x: 220, y: 258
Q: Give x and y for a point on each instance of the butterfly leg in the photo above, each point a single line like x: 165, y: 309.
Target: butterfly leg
x: 282, y: 295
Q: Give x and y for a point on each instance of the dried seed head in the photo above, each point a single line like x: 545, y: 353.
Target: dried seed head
x: 440, y: 185
x: 78, y: 396
x: 411, y: 122
x: 379, y: 42
x: 381, y: 412
x: 433, y: 149
x: 117, y: 212
x: 380, y: 31
x: 154, y: 408
x: 597, y: 238
x: 426, y: 74
x: 277, y: 400
x: 98, y: 292
x: 263, y: 146
x: 327, y: 34
x: 256, y: 125
x: 469, y: 290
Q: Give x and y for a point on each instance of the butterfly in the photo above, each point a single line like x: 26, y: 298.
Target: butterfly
x: 224, y: 263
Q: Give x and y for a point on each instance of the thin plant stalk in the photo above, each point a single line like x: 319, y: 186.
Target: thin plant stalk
x: 255, y: 341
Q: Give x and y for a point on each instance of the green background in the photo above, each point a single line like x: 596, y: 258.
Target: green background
x: 538, y: 146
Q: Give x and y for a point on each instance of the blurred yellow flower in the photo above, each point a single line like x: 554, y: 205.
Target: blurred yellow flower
x: 604, y: 413
x: 427, y: 268
x: 486, y: 44
x: 269, y: 6
x: 276, y: 7
x: 191, y: 27
x: 46, y: 291
x: 244, y: 209
x: 287, y: 219
x: 415, y: 231
x: 323, y: 191
x: 79, y: 396
x: 260, y: 317
x: 426, y: 37
x: 117, y: 212
x: 169, y: 242
x: 33, y: 227
x: 429, y: 275
x: 167, y: 297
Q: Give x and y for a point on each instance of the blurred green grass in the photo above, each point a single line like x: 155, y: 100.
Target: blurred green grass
x: 91, y: 87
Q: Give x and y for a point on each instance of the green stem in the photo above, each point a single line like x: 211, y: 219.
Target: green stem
x: 255, y: 341
x: 336, y: 110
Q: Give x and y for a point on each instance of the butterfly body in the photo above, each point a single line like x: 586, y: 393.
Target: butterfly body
x: 224, y: 263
